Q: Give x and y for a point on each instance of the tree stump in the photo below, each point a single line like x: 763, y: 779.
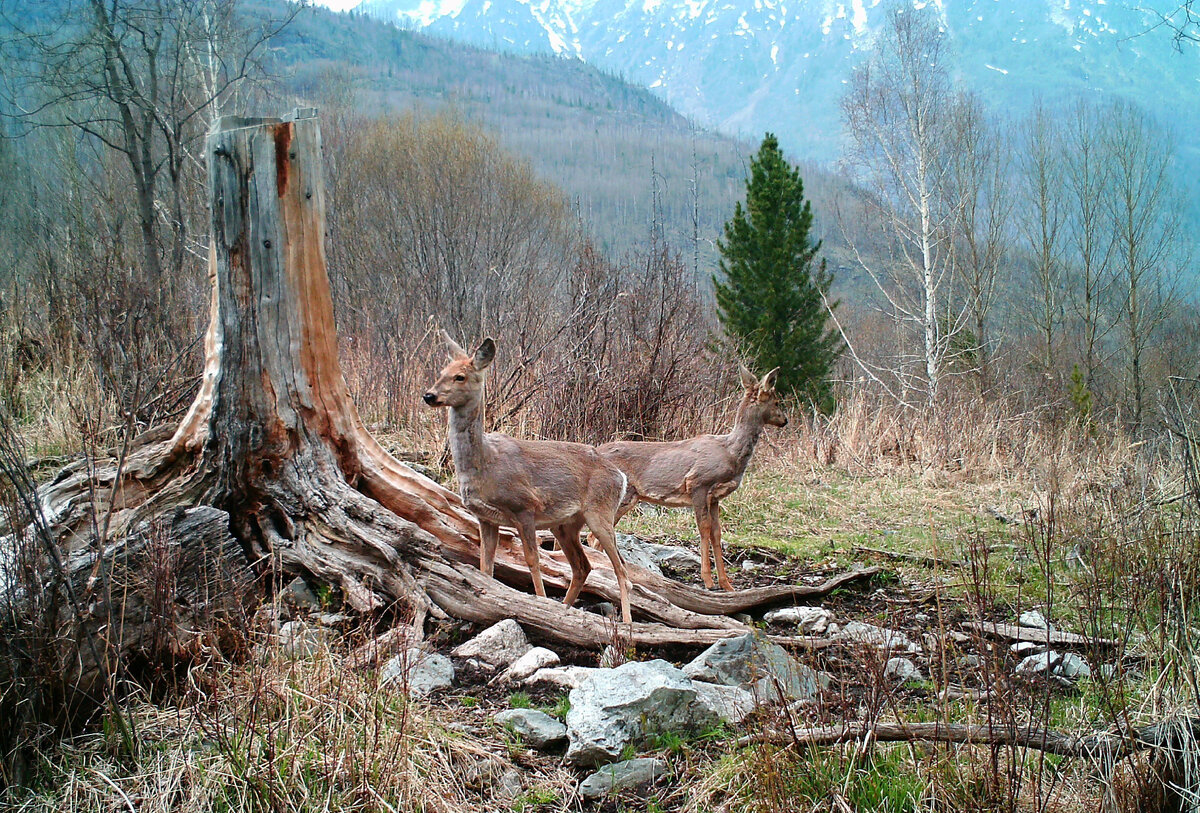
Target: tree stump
x: 274, y: 455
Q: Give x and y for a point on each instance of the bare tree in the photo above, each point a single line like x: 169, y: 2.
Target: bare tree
x: 1087, y: 171
x: 1147, y: 232
x: 899, y: 113
x: 982, y: 192
x: 142, y: 77
x: 1041, y: 216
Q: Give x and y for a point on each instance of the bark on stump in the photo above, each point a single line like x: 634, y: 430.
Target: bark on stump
x: 275, y: 451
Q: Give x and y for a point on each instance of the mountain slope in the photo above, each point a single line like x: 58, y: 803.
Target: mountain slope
x: 752, y: 65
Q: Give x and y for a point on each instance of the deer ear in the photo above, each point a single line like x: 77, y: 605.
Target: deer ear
x: 748, y: 379
x: 453, y: 348
x: 484, y: 354
x: 768, y: 381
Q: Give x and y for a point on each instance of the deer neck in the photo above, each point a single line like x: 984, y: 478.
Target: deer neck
x: 466, y: 440
x: 747, y: 427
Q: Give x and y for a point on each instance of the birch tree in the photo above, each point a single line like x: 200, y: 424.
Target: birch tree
x: 900, y: 120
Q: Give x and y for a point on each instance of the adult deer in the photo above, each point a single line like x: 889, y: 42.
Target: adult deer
x: 527, y: 484
x: 702, y: 471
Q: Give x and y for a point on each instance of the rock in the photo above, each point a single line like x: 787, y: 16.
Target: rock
x: 566, y: 677
x: 607, y: 609
x: 332, y: 619
x: 921, y: 618
x: 498, y: 645
x: 1025, y: 648
x: 888, y: 640
x: 824, y: 680
x: 612, y: 708
x: 534, y: 727
x: 611, y: 657
x: 749, y: 566
x: 509, y: 785
x: 808, y: 620
x: 634, y: 552
x: 298, y: 594
x: 298, y: 639
x: 1037, y: 664
x: 533, y: 660
x: 902, y: 670
x: 621, y: 776
x: 1032, y: 618
x: 753, y: 663
x: 675, y: 556
x: 1107, y: 671
x: 418, y: 673
x: 730, y: 703
x: 1073, y: 667
x: 970, y: 661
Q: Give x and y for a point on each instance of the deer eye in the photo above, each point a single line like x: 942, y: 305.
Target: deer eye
x: 460, y: 378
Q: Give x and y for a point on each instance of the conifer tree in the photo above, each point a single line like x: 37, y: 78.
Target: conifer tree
x: 770, y: 286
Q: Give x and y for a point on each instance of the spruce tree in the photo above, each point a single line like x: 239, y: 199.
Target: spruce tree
x: 770, y: 286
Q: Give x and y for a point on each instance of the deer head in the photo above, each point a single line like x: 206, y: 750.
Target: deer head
x: 761, y: 402
x: 460, y: 382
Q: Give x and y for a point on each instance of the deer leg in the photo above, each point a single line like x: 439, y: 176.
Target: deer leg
x: 489, y: 537
x: 529, y: 543
x: 602, y: 530
x: 568, y: 540
x: 714, y: 512
x: 704, y: 525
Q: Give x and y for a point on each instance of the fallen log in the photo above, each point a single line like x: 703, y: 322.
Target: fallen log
x: 1176, y: 736
x: 1012, y: 632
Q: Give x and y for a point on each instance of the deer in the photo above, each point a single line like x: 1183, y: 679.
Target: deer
x: 701, y: 471
x: 527, y: 484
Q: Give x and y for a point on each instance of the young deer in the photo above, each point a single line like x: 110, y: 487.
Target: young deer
x: 527, y: 484
x: 702, y: 471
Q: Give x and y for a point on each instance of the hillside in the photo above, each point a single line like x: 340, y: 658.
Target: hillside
x: 745, y: 67
x: 607, y: 143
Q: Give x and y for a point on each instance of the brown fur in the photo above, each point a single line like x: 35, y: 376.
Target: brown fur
x: 527, y: 484
x: 701, y: 471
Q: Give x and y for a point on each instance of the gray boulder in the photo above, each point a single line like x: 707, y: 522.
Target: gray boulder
x: 1035, y: 665
x: 902, y: 670
x: 673, y: 555
x: 729, y: 703
x: 498, y: 645
x: 534, y: 727
x: 299, y: 639
x: 533, y: 660
x: 419, y: 673
x: 1073, y: 667
x: 1032, y: 618
x: 808, y: 620
x: 1023, y: 649
x: 621, y: 776
x: 612, y: 708
x: 635, y: 552
x: 298, y: 594
x: 753, y: 663
x: 565, y: 677
x: 888, y: 640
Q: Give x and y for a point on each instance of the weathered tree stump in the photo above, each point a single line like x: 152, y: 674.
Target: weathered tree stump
x: 275, y: 452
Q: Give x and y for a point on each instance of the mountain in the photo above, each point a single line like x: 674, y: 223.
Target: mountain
x: 746, y: 66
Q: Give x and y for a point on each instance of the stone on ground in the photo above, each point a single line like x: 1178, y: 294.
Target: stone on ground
x: 612, y: 708
x: 753, y: 663
x: 1037, y: 664
x: 675, y: 556
x: 298, y: 594
x: 565, y: 677
x: 621, y: 776
x: 902, y: 670
x: 635, y: 552
x: 1032, y: 618
x: 1073, y: 667
x: 534, y: 727
x: 808, y: 620
x: 533, y: 660
x: 887, y: 640
x: 498, y: 645
x: 417, y: 672
x: 730, y: 703
x: 298, y: 639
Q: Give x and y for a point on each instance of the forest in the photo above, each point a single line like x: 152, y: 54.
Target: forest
x: 205, y: 591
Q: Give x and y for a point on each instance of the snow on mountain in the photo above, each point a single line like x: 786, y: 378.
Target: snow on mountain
x: 747, y: 66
